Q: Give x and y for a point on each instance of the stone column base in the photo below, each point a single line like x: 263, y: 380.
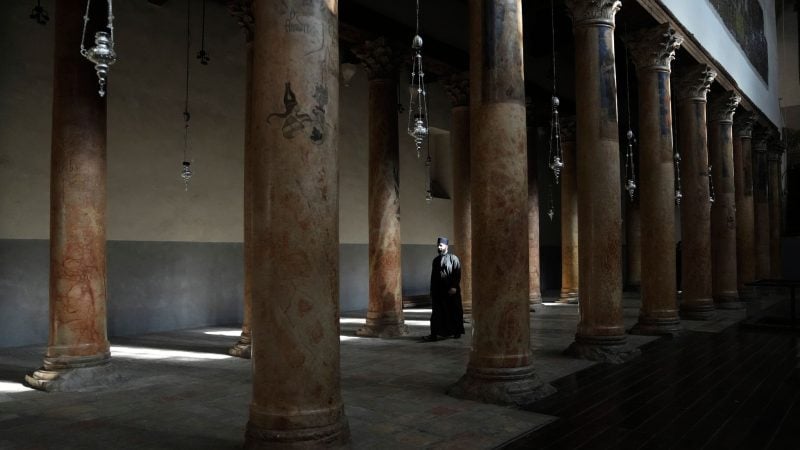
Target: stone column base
x: 569, y: 297
x: 382, y: 330
x: 242, y: 348
x: 511, y: 386
x: 610, y: 349
x: 701, y: 311
x: 76, y: 379
x: 336, y: 435
x: 657, y: 326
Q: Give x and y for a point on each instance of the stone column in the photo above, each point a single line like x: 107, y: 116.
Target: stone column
x: 761, y: 196
x: 534, y: 268
x: 633, y: 241
x: 296, y: 398
x: 385, y: 307
x: 500, y: 368
x: 569, y: 215
x: 775, y: 154
x: 601, y: 331
x: 242, y: 11
x: 77, y: 350
x: 724, y: 285
x: 458, y: 89
x: 692, y: 89
x: 653, y: 51
x: 743, y: 178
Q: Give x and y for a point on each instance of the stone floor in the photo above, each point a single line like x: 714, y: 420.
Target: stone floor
x: 180, y: 390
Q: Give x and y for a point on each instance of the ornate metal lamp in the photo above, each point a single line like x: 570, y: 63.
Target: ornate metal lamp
x: 555, y: 154
x: 678, y: 194
x: 417, y: 104
x: 102, y: 53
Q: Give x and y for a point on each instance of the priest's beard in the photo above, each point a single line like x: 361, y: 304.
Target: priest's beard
x: 442, y: 252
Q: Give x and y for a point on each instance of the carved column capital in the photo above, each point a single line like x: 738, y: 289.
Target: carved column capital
x: 378, y: 59
x: 722, y: 107
x: 568, y: 129
x: 593, y: 12
x: 695, y: 83
x: 776, y: 149
x: 743, y: 123
x: 242, y: 10
x: 457, y: 87
x: 761, y: 138
x: 653, y: 48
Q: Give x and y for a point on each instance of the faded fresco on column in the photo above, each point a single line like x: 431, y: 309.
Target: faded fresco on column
x: 745, y: 20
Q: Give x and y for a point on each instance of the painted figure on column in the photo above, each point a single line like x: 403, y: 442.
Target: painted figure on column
x: 447, y: 318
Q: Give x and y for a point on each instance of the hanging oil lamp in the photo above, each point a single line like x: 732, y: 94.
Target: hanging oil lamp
x: 678, y: 194
x: 417, y: 104
x: 102, y: 53
x: 630, y: 172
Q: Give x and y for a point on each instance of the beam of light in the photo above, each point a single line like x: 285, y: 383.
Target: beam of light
x: 8, y: 386
x: 231, y: 333
x: 120, y: 351
x: 348, y: 338
x: 357, y: 321
x: 418, y: 310
x: 559, y: 304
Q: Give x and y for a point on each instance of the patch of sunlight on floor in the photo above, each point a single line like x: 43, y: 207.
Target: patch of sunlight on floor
x: 8, y: 386
x: 352, y: 320
x: 349, y: 338
x: 357, y: 321
x: 231, y: 333
x: 418, y: 310
x: 558, y: 304
x: 120, y: 351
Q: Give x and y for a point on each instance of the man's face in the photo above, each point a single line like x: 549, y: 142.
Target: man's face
x: 442, y: 249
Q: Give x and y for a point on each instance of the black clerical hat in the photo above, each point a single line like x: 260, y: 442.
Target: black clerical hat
x: 442, y: 240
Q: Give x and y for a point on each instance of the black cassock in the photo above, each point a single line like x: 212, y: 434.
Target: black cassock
x: 447, y: 318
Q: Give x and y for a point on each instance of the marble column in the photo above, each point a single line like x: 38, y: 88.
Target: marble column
x: 633, y: 243
x: 774, y: 156
x: 569, y: 215
x: 77, y: 355
x: 743, y: 178
x: 761, y: 183
x: 601, y: 331
x: 385, y: 307
x: 500, y: 369
x: 692, y: 88
x: 296, y: 399
x: 534, y: 268
x: 652, y: 51
x: 242, y: 11
x: 457, y: 87
x: 724, y: 285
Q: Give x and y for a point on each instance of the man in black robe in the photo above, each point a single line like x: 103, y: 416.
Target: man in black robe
x: 447, y: 318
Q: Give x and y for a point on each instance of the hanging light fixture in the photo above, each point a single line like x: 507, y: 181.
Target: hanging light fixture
x: 551, y: 212
x: 711, y: 195
x: 102, y: 53
x: 678, y: 194
x: 630, y: 169
x: 428, y: 192
x: 39, y: 14
x: 186, y: 169
x: 202, y: 55
x: 417, y: 104
x: 555, y: 155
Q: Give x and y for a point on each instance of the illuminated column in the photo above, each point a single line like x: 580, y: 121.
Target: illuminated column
x: 761, y: 183
x: 775, y: 154
x: 77, y: 351
x: 633, y: 240
x: 296, y: 398
x: 458, y: 89
x: 500, y: 368
x: 385, y: 308
x: 534, y: 268
x: 692, y: 88
x: 724, y: 287
x: 743, y: 177
x: 601, y: 331
x: 569, y: 215
x: 242, y: 11
x: 653, y: 51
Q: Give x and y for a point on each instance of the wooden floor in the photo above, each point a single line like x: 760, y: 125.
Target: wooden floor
x: 739, y: 389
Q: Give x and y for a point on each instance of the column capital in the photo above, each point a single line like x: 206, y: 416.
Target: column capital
x: 653, y: 48
x: 242, y: 10
x: 722, y: 107
x: 761, y: 138
x: 593, y: 12
x: 568, y: 129
x: 695, y: 83
x: 457, y: 87
x: 776, y: 149
x: 378, y: 59
x: 743, y: 123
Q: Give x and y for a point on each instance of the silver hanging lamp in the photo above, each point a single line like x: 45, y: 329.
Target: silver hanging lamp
x: 678, y: 194
x: 102, y: 53
x: 555, y: 155
x: 186, y: 165
x: 417, y: 104
x: 630, y: 169
x: 711, y: 195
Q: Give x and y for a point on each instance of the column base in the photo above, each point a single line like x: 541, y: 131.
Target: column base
x: 81, y: 378
x: 510, y: 386
x: 657, y: 326
x: 568, y: 297
x: 383, y: 330
x: 610, y: 349
x: 242, y: 348
x: 336, y: 435
x: 700, y: 311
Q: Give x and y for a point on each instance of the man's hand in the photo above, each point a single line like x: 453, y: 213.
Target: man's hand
x: 452, y: 291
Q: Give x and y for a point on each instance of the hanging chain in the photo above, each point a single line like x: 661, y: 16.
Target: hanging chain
x: 555, y: 154
x: 630, y: 169
x: 186, y: 171
x: 83, y: 34
x: 203, y: 55
x: 417, y: 109
x: 711, y: 195
x: 678, y: 193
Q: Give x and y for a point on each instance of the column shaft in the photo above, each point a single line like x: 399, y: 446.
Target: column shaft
x: 534, y: 268
x: 743, y: 178
x: 569, y: 216
x: 724, y: 285
x: 77, y: 314
x: 296, y: 398
x: 775, y: 220
x: 761, y: 208
x: 633, y: 243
